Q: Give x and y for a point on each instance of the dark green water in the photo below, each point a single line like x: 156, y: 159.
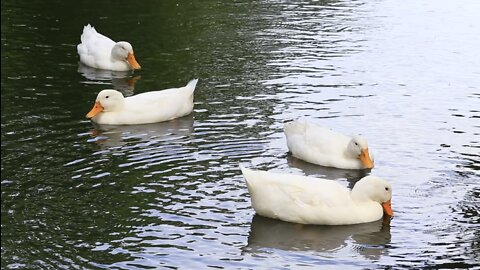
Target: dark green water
x: 171, y: 195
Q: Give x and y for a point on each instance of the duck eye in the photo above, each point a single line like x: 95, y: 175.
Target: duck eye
x: 386, y: 188
x: 106, y: 96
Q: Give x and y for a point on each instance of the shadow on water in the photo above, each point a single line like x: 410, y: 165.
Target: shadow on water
x: 113, y: 136
x: 123, y: 81
x: 352, y: 176
x: 369, y: 238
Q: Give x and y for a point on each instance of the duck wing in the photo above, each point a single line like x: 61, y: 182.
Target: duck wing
x: 295, y: 198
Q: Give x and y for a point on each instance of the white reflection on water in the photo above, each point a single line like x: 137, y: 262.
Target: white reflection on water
x: 108, y: 136
x: 123, y: 81
x: 367, y: 239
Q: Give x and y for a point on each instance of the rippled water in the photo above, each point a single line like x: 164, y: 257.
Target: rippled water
x: 170, y: 195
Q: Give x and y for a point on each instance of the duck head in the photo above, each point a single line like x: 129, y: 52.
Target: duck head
x: 123, y: 51
x: 374, y: 189
x: 108, y: 100
x: 358, y: 147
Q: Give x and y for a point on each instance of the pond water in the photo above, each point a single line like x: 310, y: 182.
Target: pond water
x: 75, y: 195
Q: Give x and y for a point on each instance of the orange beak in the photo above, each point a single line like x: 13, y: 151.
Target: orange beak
x: 387, y: 208
x: 132, y: 61
x: 97, y: 108
x: 365, y: 159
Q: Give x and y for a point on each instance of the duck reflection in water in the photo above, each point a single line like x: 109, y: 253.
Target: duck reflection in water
x: 118, y: 135
x: 123, y: 81
x: 352, y: 176
x: 367, y: 239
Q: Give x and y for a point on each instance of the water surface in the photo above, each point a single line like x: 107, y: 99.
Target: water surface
x: 171, y: 195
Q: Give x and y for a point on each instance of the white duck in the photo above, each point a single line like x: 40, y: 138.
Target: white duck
x: 112, y: 108
x: 99, y: 51
x: 309, y: 200
x: 323, y: 146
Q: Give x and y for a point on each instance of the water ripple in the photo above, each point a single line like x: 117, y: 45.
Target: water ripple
x: 171, y: 195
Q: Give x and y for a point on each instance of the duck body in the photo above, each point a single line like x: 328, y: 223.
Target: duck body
x: 112, y: 108
x: 323, y: 146
x: 99, y: 51
x: 308, y: 200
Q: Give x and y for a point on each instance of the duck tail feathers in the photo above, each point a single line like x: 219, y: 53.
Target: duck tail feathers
x: 191, y: 85
x: 88, y: 31
x: 246, y: 172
